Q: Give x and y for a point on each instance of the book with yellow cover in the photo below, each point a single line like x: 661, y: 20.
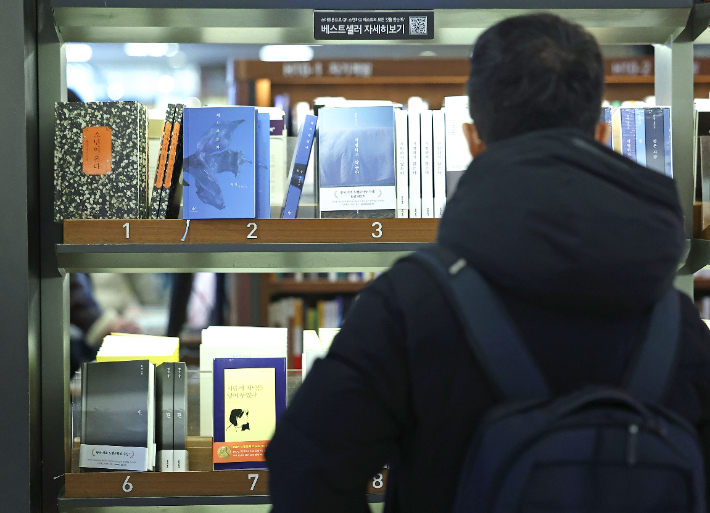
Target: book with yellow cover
x: 156, y: 349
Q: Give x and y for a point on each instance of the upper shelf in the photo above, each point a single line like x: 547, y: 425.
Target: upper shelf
x: 456, y: 22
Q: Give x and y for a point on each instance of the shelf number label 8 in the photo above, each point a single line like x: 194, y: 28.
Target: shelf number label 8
x: 378, y: 481
x: 127, y: 486
x: 378, y: 230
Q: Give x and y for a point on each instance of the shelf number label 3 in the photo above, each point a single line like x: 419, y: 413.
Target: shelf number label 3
x: 127, y: 485
x: 252, y: 236
x: 255, y: 477
x: 378, y: 230
x: 378, y: 481
x: 128, y: 230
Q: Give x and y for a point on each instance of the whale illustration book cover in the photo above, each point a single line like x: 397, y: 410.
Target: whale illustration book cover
x: 219, y: 152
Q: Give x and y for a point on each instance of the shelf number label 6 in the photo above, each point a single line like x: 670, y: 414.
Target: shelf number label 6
x: 127, y: 486
x: 378, y: 481
x: 252, y: 236
x: 255, y: 477
x: 128, y: 230
x: 378, y: 230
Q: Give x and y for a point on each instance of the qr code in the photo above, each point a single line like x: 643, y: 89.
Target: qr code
x: 418, y: 26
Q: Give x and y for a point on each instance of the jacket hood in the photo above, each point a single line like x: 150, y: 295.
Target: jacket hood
x: 556, y: 218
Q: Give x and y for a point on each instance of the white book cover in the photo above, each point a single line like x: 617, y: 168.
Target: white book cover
x: 400, y: 128
x: 278, y: 155
x: 458, y: 156
x: 427, y: 160
x: 439, y: 123
x: 415, y: 181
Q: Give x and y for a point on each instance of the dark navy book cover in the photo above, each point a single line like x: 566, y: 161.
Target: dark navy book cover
x: 219, y: 152
x: 654, y: 139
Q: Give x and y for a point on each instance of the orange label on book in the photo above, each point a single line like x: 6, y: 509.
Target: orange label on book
x: 228, y: 452
x: 171, y: 160
x: 163, y: 152
x: 96, y: 150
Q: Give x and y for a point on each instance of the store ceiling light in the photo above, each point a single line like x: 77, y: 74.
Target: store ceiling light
x: 286, y: 53
x: 78, y: 52
x: 147, y: 49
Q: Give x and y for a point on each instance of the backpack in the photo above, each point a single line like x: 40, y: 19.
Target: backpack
x: 599, y: 449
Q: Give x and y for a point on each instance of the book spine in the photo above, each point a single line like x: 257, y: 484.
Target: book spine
x: 427, y: 173
x: 263, y: 167
x: 640, y: 137
x: 160, y: 167
x: 180, y: 460
x: 439, y: 124
x: 654, y: 139
x: 143, y: 159
x: 616, y: 129
x: 458, y: 156
x: 402, y: 180
x: 174, y: 163
x: 185, y: 158
x: 415, y: 181
x: 299, y: 165
x: 279, y: 164
x: 667, y: 142
x: 628, y: 133
x: 606, y: 117
x: 84, y: 396
x: 164, y: 425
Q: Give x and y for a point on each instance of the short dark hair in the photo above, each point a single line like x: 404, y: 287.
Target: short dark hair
x: 535, y: 72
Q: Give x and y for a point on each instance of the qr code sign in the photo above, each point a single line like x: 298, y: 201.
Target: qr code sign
x: 418, y: 26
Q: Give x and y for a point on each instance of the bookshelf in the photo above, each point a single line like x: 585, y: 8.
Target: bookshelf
x: 34, y: 301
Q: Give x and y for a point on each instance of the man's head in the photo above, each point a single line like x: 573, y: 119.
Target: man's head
x: 534, y: 72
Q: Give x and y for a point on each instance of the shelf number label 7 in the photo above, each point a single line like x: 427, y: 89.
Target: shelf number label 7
x: 255, y: 478
x: 128, y: 230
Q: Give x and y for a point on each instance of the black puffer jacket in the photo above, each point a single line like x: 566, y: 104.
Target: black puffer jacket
x: 578, y: 241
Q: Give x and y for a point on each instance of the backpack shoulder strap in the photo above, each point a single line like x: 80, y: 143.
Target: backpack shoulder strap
x: 648, y: 377
x: 489, y: 331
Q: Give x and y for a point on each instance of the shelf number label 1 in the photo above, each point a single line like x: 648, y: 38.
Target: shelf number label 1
x: 378, y: 230
x: 255, y: 477
x: 378, y: 481
x: 127, y: 486
x: 252, y: 236
x: 128, y: 230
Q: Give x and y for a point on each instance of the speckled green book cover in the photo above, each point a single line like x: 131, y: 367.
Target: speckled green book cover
x: 101, y: 161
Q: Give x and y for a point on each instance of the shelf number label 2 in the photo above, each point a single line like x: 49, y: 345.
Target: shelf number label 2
x: 128, y: 230
x: 378, y: 481
x: 252, y: 236
x: 255, y: 478
x: 378, y: 230
x: 127, y: 485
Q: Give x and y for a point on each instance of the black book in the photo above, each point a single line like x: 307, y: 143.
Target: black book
x: 164, y: 384
x: 180, y: 455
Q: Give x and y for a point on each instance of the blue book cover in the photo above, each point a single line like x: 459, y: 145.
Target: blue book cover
x: 667, y: 144
x: 356, y: 160
x: 219, y: 152
x: 606, y: 118
x: 654, y: 139
x: 263, y: 166
x: 299, y: 165
x: 249, y: 396
x: 628, y: 133
x: 641, y: 137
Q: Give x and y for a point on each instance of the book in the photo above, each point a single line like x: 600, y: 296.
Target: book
x: 606, y: 118
x: 628, y: 133
x: 458, y: 156
x: 667, y: 143
x: 100, y: 160
x: 169, y: 205
x: 180, y: 415
x: 139, y: 347
x: 356, y: 162
x: 162, y: 160
x: 640, y: 136
x: 263, y: 166
x: 278, y: 165
x: 164, y: 384
x: 249, y: 397
x: 219, y: 152
x: 415, y: 180
x: 118, y: 416
x: 312, y: 350
x: 427, y: 160
x: 439, y: 127
x: 654, y: 139
x: 402, y: 181
x: 299, y: 165
x: 616, y: 129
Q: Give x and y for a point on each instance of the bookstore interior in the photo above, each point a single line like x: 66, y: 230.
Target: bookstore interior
x: 218, y: 201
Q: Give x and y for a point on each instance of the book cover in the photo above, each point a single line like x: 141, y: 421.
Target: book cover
x: 162, y: 161
x: 606, y: 118
x: 97, y: 161
x: 640, y: 136
x: 356, y: 158
x: 415, y: 180
x: 402, y: 181
x: 299, y: 165
x: 143, y: 158
x: 628, y: 133
x: 667, y: 142
x: 164, y: 382
x: 278, y: 165
x: 249, y: 397
x: 439, y: 123
x: 180, y: 455
x: 616, y: 129
x: 173, y: 167
x: 458, y: 156
x: 654, y: 139
x: 219, y: 152
x: 118, y: 428
x: 263, y: 166
x: 427, y: 160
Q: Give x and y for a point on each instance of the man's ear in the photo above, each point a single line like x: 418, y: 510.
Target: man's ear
x: 475, y: 145
x: 602, y: 133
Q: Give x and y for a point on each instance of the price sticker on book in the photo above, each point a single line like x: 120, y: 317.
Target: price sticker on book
x: 96, y: 150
